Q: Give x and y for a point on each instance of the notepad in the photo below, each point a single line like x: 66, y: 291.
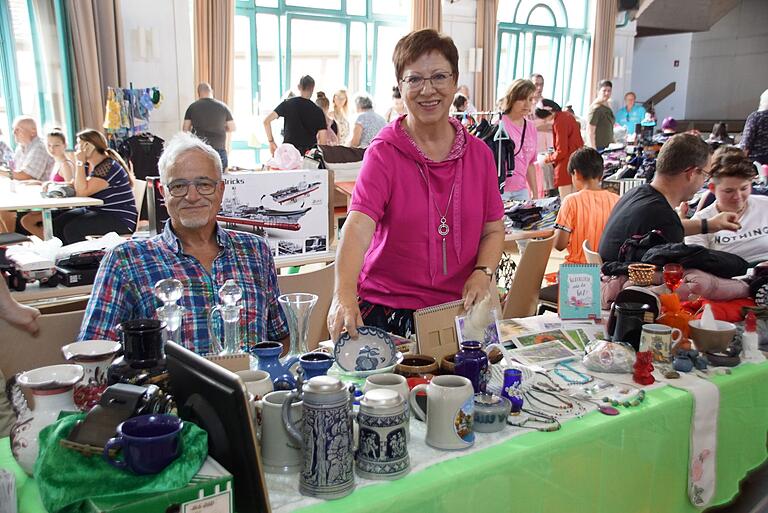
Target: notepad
x: 436, y: 329
x: 579, y: 289
x: 232, y: 362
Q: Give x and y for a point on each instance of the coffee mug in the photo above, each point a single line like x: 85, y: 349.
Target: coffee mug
x: 659, y: 339
x: 149, y: 443
x: 449, y: 411
x: 279, y: 454
x: 315, y: 363
x: 257, y: 382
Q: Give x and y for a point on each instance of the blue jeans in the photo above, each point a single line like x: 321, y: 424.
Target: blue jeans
x: 520, y: 195
x: 224, y: 160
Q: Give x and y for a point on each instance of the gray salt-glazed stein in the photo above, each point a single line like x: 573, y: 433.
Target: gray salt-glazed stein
x: 382, y: 451
x: 326, y: 437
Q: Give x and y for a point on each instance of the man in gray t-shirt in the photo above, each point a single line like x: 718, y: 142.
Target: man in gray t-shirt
x: 210, y: 120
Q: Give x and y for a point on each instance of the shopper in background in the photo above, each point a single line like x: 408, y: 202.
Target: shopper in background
x: 304, y: 122
x: 538, y: 81
x: 471, y: 109
x: 332, y: 128
x: 681, y: 168
x: 31, y: 161
x: 520, y: 183
x: 544, y: 139
x: 731, y: 178
x: 583, y: 215
x: 425, y: 224
x: 6, y: 154
x: 566, y: 139
x: 340, y: 113
x: 601, y: 118
x: 367, y: 124
x: 102, y: 174
x: 631, y: 114
x: 459, y: 103
x: 754, y: 139
x: 210, y: 120
x: 21, y: 317
x: 668, y: 129
x: 398, y: 107
x: 63, y: 172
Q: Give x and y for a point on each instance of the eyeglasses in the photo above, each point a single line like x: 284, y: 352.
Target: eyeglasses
x: 180, y: 188
x: 438, y: 81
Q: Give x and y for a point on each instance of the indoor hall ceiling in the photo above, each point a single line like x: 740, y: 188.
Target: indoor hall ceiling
x: 658, y: 17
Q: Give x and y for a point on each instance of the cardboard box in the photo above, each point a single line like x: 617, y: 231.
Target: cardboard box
x: 210, y: 491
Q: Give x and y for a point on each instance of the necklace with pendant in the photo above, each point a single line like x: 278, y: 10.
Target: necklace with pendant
x: 443, y: 229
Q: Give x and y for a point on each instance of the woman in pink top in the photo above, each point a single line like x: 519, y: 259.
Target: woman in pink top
x: 63, y: 172
x: 425, y: 223
x: 518, y: 104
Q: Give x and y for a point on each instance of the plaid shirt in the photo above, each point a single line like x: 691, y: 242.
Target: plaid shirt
x: 34, y: 160
x: 127, y: 275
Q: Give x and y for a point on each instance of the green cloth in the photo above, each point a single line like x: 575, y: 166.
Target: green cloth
x: 636, y: 462
x: 602, y: 118
x: 66, y: 478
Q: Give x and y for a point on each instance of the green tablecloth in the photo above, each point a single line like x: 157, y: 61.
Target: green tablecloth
x: 635, y: 462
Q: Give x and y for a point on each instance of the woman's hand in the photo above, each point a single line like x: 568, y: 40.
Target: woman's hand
x: 80, y: 152
x: 344, y: 314
x: 475, y: 289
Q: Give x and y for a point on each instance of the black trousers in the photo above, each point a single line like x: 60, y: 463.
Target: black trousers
x: 74, y: 225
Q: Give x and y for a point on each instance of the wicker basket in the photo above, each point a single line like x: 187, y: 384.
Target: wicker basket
x: 642, y: 274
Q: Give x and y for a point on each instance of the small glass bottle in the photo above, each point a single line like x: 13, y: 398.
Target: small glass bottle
x: 169, y: 291
x: 229, y: 295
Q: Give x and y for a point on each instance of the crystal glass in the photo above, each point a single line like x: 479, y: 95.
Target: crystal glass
x: 229, y: 295
x: 169, y: 291
x: 298, y: 309
x: 673, y: 276
x: 511, y: 390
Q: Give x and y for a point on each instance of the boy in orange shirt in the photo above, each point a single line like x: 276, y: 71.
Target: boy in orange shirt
x: 583, y: 215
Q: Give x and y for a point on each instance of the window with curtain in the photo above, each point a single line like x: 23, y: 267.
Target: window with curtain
x: 549, y: 37
x: 340, y: 43
x: 34, y: 64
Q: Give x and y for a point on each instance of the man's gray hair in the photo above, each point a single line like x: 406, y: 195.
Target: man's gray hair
x: 180, y: 144
x: 363, y: 101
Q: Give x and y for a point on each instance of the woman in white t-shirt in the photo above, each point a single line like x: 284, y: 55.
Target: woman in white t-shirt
x: 731, y: 182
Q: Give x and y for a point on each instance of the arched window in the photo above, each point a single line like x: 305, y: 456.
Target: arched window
x: 549, y: 37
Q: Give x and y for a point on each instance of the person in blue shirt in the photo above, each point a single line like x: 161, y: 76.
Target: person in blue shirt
x: 631, y: 114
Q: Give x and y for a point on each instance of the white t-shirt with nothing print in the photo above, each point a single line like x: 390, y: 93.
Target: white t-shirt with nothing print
x: 750, y: 242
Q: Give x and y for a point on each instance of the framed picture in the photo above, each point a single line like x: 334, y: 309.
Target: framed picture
x: 543, y: 353
x: 532, y: 339
x: 509, y: 329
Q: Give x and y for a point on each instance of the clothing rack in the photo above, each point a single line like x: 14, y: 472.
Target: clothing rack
x: 127, y: 110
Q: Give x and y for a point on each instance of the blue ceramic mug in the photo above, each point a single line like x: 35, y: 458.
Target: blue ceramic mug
x: 149, y: 443
x: 315, y: 364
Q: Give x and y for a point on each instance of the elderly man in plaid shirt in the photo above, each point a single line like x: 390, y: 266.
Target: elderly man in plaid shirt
x: 194, y: 249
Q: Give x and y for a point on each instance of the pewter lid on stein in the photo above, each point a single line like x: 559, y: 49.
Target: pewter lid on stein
x: 323, y: 385
x: 381, y: 398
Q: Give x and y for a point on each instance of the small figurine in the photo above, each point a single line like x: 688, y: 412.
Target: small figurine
x: 643, y: 368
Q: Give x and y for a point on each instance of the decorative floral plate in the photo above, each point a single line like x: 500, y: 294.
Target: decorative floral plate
x: 372, y: 350
x: 364, y: 374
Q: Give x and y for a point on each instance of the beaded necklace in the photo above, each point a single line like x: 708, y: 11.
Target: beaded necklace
x: 548, y: 423
x: 635, y: 401
x: 562, y: 368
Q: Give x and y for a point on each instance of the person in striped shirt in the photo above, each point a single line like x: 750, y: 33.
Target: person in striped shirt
x: 100, y: 173
x: 193, y: 249
x: 583, y: 215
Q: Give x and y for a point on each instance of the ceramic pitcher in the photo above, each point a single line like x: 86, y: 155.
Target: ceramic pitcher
x: 326, y: 437
x: 94, y: 356
x: 52, y: 388
x: 268, y: 354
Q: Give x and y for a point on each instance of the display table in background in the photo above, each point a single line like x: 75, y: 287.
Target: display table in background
x: 634, y: 462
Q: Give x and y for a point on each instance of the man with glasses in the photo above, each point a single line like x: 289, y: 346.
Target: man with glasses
x: 193, y: 249
x: 681, y: 169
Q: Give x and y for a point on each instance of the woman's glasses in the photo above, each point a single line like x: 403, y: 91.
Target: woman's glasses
x: 438, y: 81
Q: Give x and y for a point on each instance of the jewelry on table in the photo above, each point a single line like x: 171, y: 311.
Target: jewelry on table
x: 601, y: 407
x: 564, y: 408
x: 529, y: 417
x: 555, y: 386
x: 624, y: 399
x: 562, y: 368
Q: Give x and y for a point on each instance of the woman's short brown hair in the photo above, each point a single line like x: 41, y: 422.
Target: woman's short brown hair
x: 731, y: 162
x: 520, y: 89
x: 420, y: 42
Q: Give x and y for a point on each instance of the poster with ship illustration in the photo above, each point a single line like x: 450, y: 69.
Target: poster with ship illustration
x: 288, y: 208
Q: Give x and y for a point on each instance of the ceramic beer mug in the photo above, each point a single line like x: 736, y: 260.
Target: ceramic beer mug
x: 325, y: 437
x: 449, y: 411
x: 280, y: 454
x: 382, y: 450
x: 659, y: 339
x: 394, y: 382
